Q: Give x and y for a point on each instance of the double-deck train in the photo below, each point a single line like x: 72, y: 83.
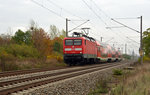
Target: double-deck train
x: 84, y: 49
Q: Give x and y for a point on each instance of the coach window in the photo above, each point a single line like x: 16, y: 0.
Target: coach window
x: 85, y: 42
x: 77, y: 42
x: 98, y: 49
x: 68, y: 42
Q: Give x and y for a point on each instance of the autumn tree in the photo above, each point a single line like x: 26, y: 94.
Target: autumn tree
x: 58, y: 42
x: 146, y: 42
x: 41, y: 41
x: 22, y: 37
x: 5, y: 39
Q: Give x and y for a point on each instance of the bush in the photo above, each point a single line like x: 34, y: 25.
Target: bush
x: 57, y: 56
x: 117, y: 72
x: 22, y: 51
x: 146, y: 58
x: 19, y: 51
x: 9, y: 66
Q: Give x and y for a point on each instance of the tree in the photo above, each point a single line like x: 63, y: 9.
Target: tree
x: 62, y: 34
x: 41, y: 41
x: 58, y: 45
x: 146, y: 42
x: 54, y: 32
x: 21, y: 37
x: 5, y: 39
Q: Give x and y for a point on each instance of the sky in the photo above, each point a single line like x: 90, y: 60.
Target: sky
x: 17, y: 14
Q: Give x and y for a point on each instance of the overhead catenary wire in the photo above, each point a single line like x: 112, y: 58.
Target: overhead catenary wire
x: 120, y: 36
x: 107, y: 15
x: 97, y: 14
x: 62, y: 9
x: 100, y: 9
x: 78, y: 25
x: 132, y: 40
x: 50, y: 1
x: 94, y: 12
x: 47, y: 9
x: 41, y: 5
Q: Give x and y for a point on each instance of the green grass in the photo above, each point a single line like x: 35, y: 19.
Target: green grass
x: 117, y: 71
x: 101, y: 88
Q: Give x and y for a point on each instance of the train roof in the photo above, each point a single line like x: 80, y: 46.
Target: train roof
x: 81, y: 35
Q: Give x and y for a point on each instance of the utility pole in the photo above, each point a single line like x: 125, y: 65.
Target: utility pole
x: 122, y: 50
x: 133, y: 54
x: 125, y: 48
x: 113, y: 45
x: 67, y: 27
x: 101, y: 39
x: 73, y: 28
x: 141, y: 42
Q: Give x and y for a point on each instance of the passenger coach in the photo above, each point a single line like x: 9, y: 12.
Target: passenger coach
x: 84, y: 49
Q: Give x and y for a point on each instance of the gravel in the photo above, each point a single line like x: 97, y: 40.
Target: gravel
x: 3, y: 79
x: 79, y: 85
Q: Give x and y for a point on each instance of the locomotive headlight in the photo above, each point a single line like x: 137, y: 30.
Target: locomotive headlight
x: 78, y: 49
x: 67, y: 49
x: 80, y: 52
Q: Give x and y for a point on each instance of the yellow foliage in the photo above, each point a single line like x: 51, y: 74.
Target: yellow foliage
x: 59, y: 58
x: 3, y: 54
x: 146, y: 58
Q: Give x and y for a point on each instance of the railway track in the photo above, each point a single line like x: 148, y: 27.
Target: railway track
x: 11, y: 86
x: 20, y: 72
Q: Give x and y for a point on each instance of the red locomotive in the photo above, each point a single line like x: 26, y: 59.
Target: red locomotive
x: 83, y: 49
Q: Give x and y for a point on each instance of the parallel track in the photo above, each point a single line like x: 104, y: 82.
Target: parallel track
x: 11, y: 86
x: 20, y: 72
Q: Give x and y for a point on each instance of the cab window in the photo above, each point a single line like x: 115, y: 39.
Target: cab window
x: 68, y: 42
x: 77, y: 42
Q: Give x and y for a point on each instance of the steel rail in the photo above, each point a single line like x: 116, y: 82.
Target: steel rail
x: 34, y: 84
x: 10, y: 82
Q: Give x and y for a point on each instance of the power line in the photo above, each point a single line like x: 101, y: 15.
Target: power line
x: 94, y: 12
x: 100, y: 9
x: 128, y: 18
x: 47, y: 9
x: 107, y: 15
x: 97, y: 14
x: 125, y: 26
x: 133, y: 40
x: 63, y: 9
x: 78, y: 26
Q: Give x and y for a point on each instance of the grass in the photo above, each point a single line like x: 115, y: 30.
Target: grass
x: 136, y: 83
x: 117, y: 71
x: 101, y: 87
x: 11, y: 65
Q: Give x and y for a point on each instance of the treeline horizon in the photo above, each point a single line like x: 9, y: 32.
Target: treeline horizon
x: 34, y: 43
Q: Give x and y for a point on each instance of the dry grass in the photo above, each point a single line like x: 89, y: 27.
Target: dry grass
x: 135, y: 83
x: 11, y: 65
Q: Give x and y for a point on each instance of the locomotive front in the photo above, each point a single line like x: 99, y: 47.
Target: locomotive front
x: 73, y: 50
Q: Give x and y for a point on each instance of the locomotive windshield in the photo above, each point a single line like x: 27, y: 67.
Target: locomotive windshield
x: 68, y: 42
x: 77, y: 42
x: 73, y: 42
